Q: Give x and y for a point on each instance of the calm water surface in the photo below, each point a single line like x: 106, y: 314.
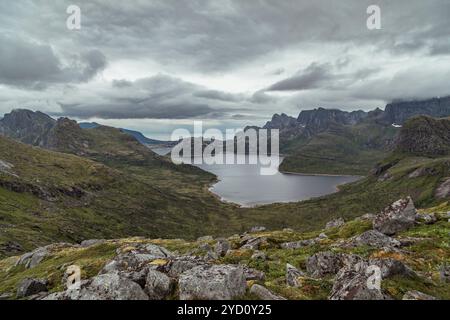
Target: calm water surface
x: 244, y: 185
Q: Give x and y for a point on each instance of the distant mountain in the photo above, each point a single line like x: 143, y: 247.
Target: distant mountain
x: 27, y: 126
x: 332, y: 141
x: 138, y: 135
x: 399, y: 112
x: 424, y: 136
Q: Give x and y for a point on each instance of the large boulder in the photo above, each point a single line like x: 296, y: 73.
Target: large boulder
x: 293, y: 275
x: 137, y: 258
x: 30, y: 287
x: 215, y: 282
x: 375, y: 239
x: 391, y: 267
x: 329, y: 263
x: 298, y: 244
x: 222, y: 247
x: 336, y: 223
x: 397, y: 217
x: 351, y: 283
x: 252, y: 243
x: 445, y: 272
x: 180, y: 264
x: 264, y: 293
x: 110, y: 286
x: 158, y: 285
x: 32, y: 259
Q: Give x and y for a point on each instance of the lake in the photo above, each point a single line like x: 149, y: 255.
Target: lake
x: 244, y: 185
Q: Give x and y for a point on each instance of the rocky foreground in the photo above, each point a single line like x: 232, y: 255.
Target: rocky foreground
x: 410, y: 249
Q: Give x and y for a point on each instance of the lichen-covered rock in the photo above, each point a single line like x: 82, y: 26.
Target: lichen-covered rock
x: 110, y: 286
x: 351, y: 283
x: 298, y: 244
x: 259, y: 255
x: 444, y: 272
x: 292, y: 275
x: 135, y: 259
x: 214, y: 282
x: 391, y: 267
x: 399, y: 216
x: 32, y: 259
x: 91, y: 242
x: 443, y: 191
x: 257, y: 229
x: 253, y: 274
x: 180, y: 264
x: 426, y: 218
x: 30, y: 287
x: 375, y: 239
x: 205, y: 238
x: 222, y: 247
x: 252, y: 243
x: 336, y: 223
x: 264, y: 293
x: 417, y: 295
x: 158, y: 286
x: 329, y: 263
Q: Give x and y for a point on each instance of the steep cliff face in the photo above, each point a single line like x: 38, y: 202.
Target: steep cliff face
x: 320, y: 119
x: 399, y: 112
x: 425, y: 136
x: 27, y: 126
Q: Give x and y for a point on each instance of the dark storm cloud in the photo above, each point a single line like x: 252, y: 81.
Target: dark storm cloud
x: 205, y: 40
x: 33, y: 65
x: 312, y: 77
x: 159, y: 97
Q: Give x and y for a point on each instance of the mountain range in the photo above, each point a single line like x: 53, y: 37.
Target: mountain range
x: 59, y: 182
x: 331, y: 141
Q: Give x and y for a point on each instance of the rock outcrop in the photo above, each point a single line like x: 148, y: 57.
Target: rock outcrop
x: 399, y: 216
x: 215, y: 282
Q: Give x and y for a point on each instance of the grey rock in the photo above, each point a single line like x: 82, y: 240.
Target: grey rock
x: 110, y: 286
x: 264, y: 293
x: 259, y: 255
x: 257, y: 229
x: 205, y: 238
x: 6, y: 296
x: 399, y: 216
x: 351, y: 284
x: 91, y: 242
x: 374, y: 238
x: 292, y: 275
x: 137, y: 259
x: 444, y: 272
x: 328, y: 263
x: 417, y: 295
x: 32, y: 259
x: 390, y: 267
x: 158, y: 286
x: 205, y: 247
x: 336, y: 223
x: 288, y: 230
x: 181, y: 264
x: 298, y: 244
x: 322, y: 236
x: 215, y: 282
x: 30, y: 287
x: 443, y: 191
x: 252, y: 243
x: 222, y: 247
x: 426, y: 218
x: 253, y: 274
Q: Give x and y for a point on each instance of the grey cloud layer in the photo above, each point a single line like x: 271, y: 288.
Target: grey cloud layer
x: 340, y: 62
x: 159, y: 97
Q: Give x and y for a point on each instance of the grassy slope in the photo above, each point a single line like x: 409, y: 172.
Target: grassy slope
x: 352, y: 150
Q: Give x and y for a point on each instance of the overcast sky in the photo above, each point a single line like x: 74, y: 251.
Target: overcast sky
x: 157, y: 65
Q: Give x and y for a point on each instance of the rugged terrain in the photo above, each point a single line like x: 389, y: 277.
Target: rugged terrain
x: 331, y: 141
x: 410, y: 248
